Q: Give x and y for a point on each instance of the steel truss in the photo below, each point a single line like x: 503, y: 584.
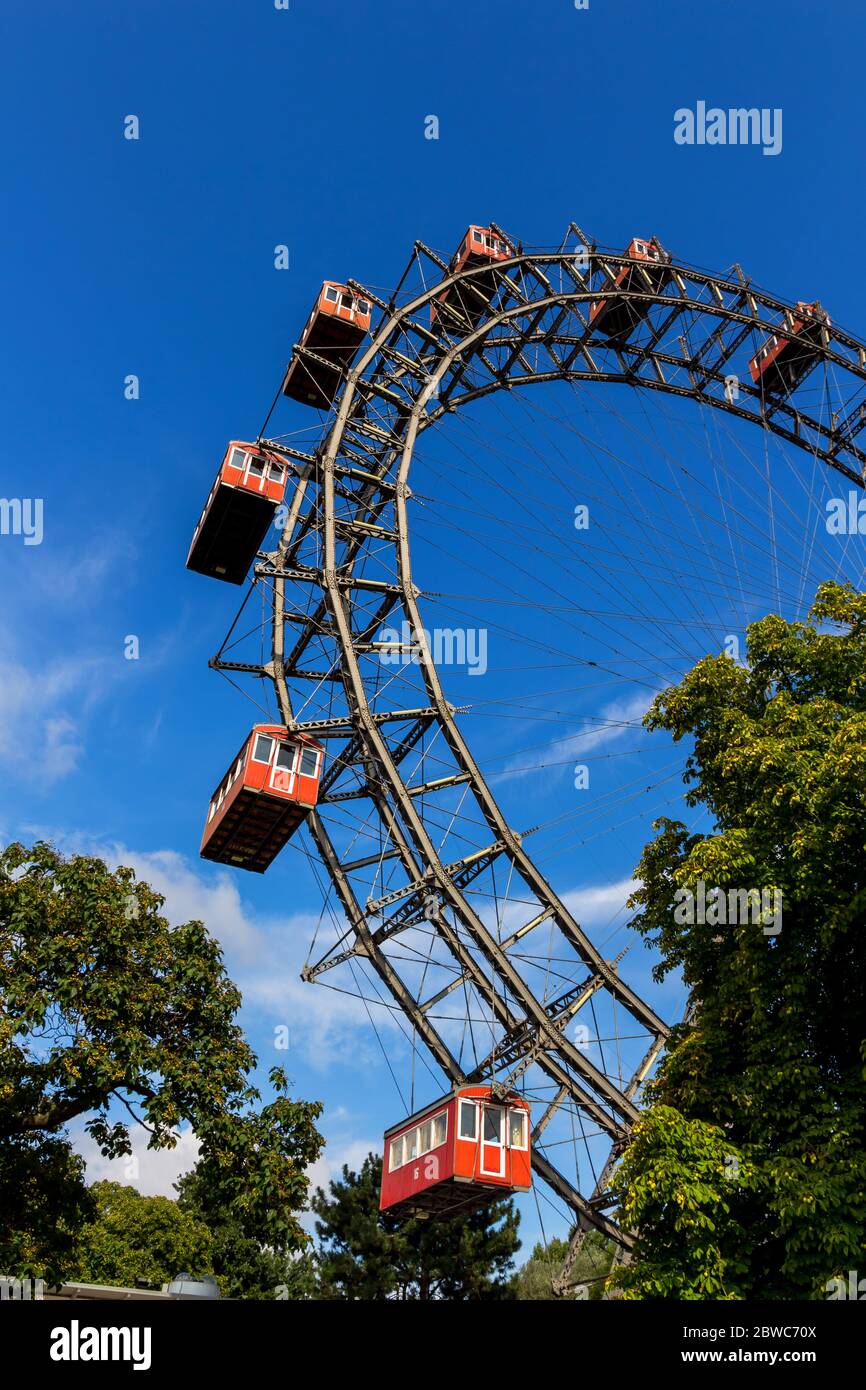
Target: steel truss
x: 456, y: 931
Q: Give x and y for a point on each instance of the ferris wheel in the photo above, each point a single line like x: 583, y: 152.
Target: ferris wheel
x: 439, y: 910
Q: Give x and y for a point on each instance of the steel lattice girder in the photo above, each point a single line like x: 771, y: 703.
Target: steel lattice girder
x: 352, y: 496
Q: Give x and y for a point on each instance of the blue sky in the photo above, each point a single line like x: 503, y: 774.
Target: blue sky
x: 155, y: 257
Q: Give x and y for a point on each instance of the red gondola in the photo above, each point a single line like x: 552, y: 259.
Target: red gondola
x: 481, y: 247
x: 338, y: 323
x: 249, y: 486
x: 463, y: 1151
x: 269, y: 789
x: 614, y: 317
x: 784, y: 359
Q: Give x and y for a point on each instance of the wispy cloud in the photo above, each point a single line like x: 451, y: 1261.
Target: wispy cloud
x: 47, y: 688
x: 599, y: 906
x: 265, y: 954
x: 73, y: 577
x: 616, y: 719
x: 53, y: 678
x: 350, y: 1152
x: 41, y: 708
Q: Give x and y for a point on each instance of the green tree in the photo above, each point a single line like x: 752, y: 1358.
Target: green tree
x: 249, y: 1188
x: 368, y: 1254
x: 747, y: 1174
x: 44, y: 1202
x: 535, y: 1278
x: 109, y: 1015
x: 135, y: 1237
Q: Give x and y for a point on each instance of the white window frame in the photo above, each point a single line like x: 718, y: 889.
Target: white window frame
x: 517, y: 1110
x: 489, y: 1107
x: 500, y: 1145
x: 473, y: 1104
x: 415, y: 1131
x: 290, y: 773
x: 332, y: 295
x: 440, y: 1115
x: 318, y: 756
x: 244, y: 456
x: 291, y: 748
x: 262, y: 762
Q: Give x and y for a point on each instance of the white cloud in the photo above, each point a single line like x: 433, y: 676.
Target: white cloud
x: 350, y: 1152
x: 44, y: 700
x: 596, y: 906
x: 73, y: 576
x: 38, y: 735
x: 152, y: 1172
x: 328, y: 1028
x: 618, y: 718
x: 264, y: 958
x: 189, y: 897
x: 329, y: 1165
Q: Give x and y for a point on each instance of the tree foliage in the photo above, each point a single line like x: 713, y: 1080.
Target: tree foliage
x: 44, y: 1202
x: 747, y: 1175
x: 368, y: 1254
x: 110, y: 1016
x: 249, y: 1187
x: 535, y: 1278
x: 136, y: 1237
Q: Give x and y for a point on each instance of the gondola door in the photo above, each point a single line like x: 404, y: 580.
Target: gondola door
x: 254, y: 473
x: 492, y: 1141
x: 282, y: 775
